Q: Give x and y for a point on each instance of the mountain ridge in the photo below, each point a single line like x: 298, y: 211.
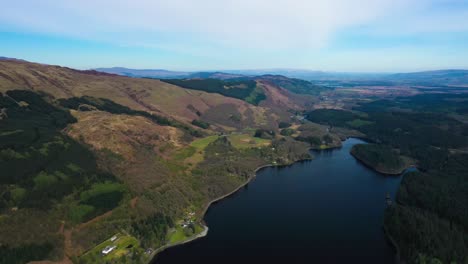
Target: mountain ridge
x: 290, y: 73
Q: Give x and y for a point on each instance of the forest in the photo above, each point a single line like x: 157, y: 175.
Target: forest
x: 225, y: 167
x: 429, y: 222
x: 294, y: 85
x: 246, y: 90
x: 431, y: 216
x: 380, y: 157
x: 46, y: 176
x: 200, y: 124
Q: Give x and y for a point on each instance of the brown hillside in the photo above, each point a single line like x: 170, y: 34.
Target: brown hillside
x: 279, y: 100
x: 131, y: 147
x: 161, y: 169
x: 147, y: 94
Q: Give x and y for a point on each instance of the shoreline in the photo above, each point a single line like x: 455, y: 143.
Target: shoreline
x: 190, y: 239
x: 218, y: 199
x: 240, y: 186
x: 393, y: 243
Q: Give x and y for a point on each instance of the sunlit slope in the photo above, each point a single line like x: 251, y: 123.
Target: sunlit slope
x: 151, y: 95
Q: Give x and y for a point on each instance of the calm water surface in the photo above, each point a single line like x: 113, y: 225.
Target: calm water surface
x: 328, y: 210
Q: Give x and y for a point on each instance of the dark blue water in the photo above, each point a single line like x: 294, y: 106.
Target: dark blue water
x: 328, y: 210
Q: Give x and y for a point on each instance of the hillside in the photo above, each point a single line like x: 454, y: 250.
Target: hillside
x: 293, y: 85
x: 149, y: 95
x: 276, y: 94
x: 90, y: 155
x: 245, y: 90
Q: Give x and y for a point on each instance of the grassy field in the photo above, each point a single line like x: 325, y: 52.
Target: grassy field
x: 193, y: 154
x: 243, y: 141
x: 237, y: 140
x: 124, y: 245
x: 176, y: 235
x: 201, y: 144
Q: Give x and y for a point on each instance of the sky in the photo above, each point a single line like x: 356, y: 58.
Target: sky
x: 326, y: 35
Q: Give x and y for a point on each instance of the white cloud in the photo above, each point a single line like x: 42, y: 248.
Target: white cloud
x: 246, y: 24
x: 249, y: 33
x: 425, y: 17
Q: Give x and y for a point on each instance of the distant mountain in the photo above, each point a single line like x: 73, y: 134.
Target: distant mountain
x: 150, y: 73
x: 295, y: 85
x: 309, y: 75
x: 440, y: 77
x: 214, y: 75
x: 231, y: 74
x: 11, y: 59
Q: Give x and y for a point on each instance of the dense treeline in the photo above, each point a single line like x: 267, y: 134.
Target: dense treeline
x: 424, y: 235
x: 283, y: 124
x: 430, y: 221
x: 287, y: 132
x: 294, y: 85
x: 331, y: 117
x: 317, y: 142
x: 152, y: 230
x: 241, y: 89
x: 200, y: 124
x: 43, y: 169
x: 435, y: 103
x: 225, y: 167
x: 314, y: 141
x: 423, y: 136
x: 380, y: 157
x: 444, y: 191
x: 24, y: 254
x: 432, y: 216
x: 87, y: 103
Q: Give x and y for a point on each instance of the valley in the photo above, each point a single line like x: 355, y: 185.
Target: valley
x: 247, y: 131
x: 92, y: 160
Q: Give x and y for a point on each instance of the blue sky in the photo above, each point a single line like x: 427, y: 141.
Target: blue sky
x: 330, y: 35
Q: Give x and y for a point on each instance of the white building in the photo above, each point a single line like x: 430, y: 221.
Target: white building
x: 108, y: 249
